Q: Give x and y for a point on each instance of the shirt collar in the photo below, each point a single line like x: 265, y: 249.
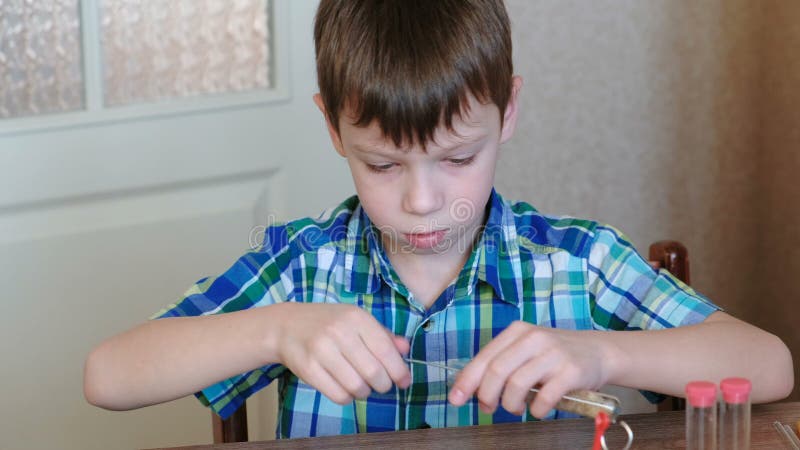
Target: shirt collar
x: 494, y: 260
x: 497, y: 260
x: 360, y: 275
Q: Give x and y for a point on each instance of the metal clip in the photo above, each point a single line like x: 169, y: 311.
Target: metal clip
x: 582, y: 401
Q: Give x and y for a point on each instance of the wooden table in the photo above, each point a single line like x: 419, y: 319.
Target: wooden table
x: 651, y: 431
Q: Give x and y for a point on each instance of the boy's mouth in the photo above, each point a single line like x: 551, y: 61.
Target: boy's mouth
x: 426, y: 240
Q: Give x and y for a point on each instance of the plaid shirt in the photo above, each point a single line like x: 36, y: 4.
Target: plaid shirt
x: 552, y: 272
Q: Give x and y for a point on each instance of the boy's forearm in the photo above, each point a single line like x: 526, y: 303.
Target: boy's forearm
x: 665, y: 360
x: 166, y: 359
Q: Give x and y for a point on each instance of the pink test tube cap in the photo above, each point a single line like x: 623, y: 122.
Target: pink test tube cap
x: 735, y: 390
x: 701, y: 394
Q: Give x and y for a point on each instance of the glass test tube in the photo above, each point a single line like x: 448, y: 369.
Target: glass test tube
x: 734, y: 414
x: 701, y: 415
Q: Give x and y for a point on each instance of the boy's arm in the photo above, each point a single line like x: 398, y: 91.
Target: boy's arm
x: 166, y: 359
x: 685, y: 338
x: 721, y: 346
x: 339, y: 349
x: 559, y: 361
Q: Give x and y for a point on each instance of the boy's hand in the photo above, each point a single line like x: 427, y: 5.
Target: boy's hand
x: 525, y: 356
x: 342, y: 351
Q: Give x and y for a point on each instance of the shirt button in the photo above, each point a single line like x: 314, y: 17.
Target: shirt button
x: 427, y: 325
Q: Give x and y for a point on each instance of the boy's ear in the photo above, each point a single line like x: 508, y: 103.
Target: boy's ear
x: 335, y: 138
x: 510, y: 114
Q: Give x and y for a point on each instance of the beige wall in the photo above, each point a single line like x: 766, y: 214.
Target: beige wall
x: 669, y: 119
x: 777, y: 306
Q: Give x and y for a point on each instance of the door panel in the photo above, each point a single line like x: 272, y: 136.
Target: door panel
x: 105, y: 222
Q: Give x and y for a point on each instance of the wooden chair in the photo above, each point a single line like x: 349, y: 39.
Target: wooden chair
x: 232, y: 429
x: 673, y: 256
x: 670, y: 255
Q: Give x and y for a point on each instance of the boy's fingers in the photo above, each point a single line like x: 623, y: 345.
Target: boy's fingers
x: 343, y: 371
x: 401, y: 344
x: 368, y: 366
x: 500, y: 370
x: 471, y: 377
x: 383, y: 347
x: 322, y: 380
x: 517, y: 389
x: 404, y: 347
x: 546, y: 399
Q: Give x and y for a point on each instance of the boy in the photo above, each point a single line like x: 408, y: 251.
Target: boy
x: 427, y: 262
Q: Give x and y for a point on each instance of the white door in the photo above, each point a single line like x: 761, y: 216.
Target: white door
x: 105, y: 221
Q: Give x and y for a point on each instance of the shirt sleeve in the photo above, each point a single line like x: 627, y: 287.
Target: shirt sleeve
x: 260, y: 278
x: 627, y: 293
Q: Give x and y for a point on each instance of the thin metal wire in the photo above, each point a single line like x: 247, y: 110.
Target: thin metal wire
x: 792, y: 435
x: 787, y: 433
x: 611, y: 412
x: 621, y: 423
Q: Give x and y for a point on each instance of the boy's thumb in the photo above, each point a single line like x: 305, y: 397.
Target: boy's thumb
x: 401, y: 343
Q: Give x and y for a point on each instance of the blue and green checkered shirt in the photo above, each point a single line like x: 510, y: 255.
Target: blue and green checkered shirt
x: 552, y: 272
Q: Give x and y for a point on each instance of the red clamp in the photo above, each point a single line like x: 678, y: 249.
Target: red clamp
x: 601, y: 424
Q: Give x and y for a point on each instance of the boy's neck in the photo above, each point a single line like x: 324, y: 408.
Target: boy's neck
x: 426, y: 276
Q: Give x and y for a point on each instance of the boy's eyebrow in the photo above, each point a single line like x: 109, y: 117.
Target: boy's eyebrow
x: 458, y: 142
x: 360, y: 149
x: 466, y: 140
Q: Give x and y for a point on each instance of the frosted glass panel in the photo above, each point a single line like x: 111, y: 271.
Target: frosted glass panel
x: 40, y: 57
x: 164, y: 49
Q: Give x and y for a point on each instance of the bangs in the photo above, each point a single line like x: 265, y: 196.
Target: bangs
x: 411, y: 65
x: 408, y: 105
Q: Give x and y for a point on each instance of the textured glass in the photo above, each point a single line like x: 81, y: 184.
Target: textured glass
x: 40, y: 57
x: 164, y: 49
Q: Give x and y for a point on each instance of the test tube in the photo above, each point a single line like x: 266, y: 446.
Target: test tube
x: 701, y: 415
x: 734, y: 414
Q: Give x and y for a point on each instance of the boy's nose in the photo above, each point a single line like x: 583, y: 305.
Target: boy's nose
x: 422, y: 196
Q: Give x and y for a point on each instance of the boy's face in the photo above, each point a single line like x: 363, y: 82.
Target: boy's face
x: 431, y: 201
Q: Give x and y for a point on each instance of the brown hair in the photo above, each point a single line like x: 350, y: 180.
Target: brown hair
x: 411, y: 64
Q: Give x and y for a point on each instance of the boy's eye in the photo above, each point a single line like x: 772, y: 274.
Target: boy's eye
x: 380, y: 167
x: 461, y: 161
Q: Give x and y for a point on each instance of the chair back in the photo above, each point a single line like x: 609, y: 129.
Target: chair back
x: 673, y: 256
x: 232, y: 429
